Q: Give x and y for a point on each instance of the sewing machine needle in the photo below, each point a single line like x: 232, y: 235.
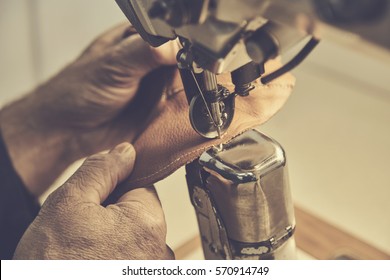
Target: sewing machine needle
x: 219, y: 131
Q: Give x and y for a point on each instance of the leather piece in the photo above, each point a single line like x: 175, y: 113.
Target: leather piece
x: 169, y: 142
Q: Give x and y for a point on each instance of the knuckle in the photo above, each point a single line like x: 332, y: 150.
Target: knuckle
x: 149, y: 230
x: 154, y: 235
x: 140, y: 236
x: 151, y: 244
x: 154, y: 225
x: 115, y: 59
x: 151, y: 221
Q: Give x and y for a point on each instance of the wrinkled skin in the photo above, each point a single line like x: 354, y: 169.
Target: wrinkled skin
x: 72, y: 224
x: 84, y: 109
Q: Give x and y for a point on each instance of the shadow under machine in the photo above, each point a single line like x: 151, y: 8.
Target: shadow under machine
x: 240, y: 190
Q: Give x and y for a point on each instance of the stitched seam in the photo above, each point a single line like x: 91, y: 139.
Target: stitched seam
x: 167, y: 166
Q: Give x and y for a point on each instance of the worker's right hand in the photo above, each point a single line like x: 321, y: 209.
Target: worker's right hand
x: 73, y: 224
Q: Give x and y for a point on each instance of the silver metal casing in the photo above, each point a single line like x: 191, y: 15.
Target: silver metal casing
x: 242, y: 199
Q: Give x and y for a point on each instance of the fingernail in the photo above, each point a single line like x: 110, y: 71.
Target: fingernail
x: 123, y: 148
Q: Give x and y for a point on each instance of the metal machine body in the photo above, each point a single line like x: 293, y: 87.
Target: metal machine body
x: 242, y: 199
x: 240, y: 189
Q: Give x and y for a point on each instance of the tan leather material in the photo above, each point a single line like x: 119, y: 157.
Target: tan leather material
x: 169, y: 142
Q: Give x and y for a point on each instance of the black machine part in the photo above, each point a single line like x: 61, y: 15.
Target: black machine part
x: 131, y: 15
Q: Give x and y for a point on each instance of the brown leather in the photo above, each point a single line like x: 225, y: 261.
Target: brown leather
x: 169, y: 141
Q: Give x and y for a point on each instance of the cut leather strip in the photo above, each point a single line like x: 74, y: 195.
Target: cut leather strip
x: 170, y: 142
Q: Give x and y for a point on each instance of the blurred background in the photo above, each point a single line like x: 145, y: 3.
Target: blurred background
x: 335, y: 128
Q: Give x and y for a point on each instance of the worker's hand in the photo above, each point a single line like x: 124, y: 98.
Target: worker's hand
x: 72, y: 224
x: 84, y: 108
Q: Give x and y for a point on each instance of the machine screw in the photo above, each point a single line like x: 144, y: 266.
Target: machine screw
x: 213, y: 248
x: 198, y: 202
x: 159, y: 9
x: 175, y: 13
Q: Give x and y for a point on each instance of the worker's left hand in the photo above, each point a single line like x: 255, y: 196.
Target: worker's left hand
x: 84, y: 108
x: 73, y: 224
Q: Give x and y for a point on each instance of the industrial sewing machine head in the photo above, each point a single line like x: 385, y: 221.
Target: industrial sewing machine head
x: 240, y: 191
x: 217, y: 36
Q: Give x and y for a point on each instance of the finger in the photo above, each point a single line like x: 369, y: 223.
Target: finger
x: 143, y: 207
x: 140, y: 58
x: 101, y: 173
x: 147, y: 201
x: 111, y: 37
x: 146, y: 196
x: 166, y: 53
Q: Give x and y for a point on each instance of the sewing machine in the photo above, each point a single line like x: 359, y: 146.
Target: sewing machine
x: 240, y: 190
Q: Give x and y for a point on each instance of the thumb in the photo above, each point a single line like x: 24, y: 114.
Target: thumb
x: 101, y: 173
